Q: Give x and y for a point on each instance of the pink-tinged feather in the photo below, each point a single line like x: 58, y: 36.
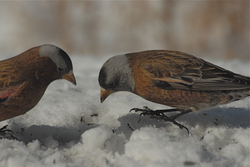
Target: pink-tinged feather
x: 8, y: 92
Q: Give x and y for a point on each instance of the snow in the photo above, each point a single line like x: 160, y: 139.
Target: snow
x: 71, y: 128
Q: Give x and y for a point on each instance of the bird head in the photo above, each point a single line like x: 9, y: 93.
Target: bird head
x: 64, y: 68
x: 115, y: 75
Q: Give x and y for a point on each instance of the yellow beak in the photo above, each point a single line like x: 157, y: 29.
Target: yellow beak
x: 70, y: 77
x: 105, y: 93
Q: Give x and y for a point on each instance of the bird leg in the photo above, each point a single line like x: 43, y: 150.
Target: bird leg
x: 159, y: 115
x: 6, y: 133
x: 148, y: 111
x: 180, y: 114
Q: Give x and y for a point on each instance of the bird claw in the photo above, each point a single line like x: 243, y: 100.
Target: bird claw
x: 6, y: 133
x: 147, y: 111
x: 144, y: 109
x: 4, y: 129
x: 159, y: 115
x: 180, y: 125
x: 162, y: 116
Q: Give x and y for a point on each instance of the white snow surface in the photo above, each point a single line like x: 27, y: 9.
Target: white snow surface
x: 71, y: 128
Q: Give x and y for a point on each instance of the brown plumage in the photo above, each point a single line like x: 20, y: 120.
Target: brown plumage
x: 24, y: 78
x: 172, y: 78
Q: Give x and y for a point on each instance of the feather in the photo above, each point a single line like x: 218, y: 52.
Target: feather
x: 177, y: 70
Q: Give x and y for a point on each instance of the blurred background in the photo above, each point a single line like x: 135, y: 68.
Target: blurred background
x: 216, y: 29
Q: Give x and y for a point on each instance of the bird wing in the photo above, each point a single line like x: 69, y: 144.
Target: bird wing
x: 9, y: 81
x: 177, y: 70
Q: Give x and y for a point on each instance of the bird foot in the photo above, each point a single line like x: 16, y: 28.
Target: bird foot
x: 6, y: 133
x: 145, y: 109
x: 159, y: 115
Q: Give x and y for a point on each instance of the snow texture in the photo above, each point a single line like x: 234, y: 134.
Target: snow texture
x: 71, y: 128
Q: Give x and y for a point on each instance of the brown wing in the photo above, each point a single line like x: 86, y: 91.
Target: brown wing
x: 177, y: 70
x: 9, y: 73
x: 9, y: 80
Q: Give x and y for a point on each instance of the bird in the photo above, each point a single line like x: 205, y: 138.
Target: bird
x: 25, y: 77
x: 172, y: 78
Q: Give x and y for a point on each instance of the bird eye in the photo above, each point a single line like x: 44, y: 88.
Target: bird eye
x: 112, y: 84
x: 59, y: 69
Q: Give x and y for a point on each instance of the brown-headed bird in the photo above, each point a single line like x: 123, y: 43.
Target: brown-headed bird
x: 25, y: 77
x: 172, y: 78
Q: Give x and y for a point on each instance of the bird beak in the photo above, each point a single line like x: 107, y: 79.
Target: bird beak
x: 70, y: 77
x: 105, y: 93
